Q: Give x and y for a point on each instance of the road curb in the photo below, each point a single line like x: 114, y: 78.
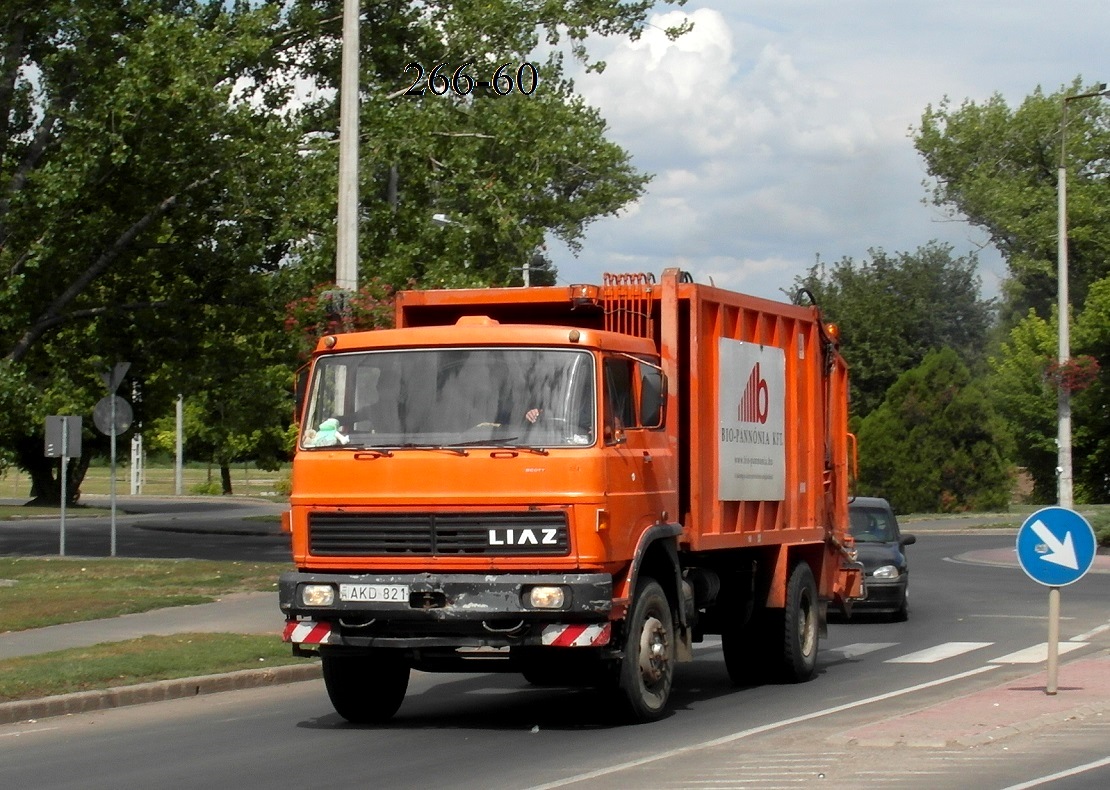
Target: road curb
x: 156, y: 691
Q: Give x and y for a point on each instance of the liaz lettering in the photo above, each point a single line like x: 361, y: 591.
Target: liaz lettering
x: 524, y: 537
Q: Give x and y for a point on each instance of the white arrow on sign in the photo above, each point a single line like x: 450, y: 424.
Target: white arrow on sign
x: 1059, y: 552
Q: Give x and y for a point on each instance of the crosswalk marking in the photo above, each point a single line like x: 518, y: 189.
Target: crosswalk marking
x: 1037, y: 653
x: 862, y: 648
x: 938, y: 653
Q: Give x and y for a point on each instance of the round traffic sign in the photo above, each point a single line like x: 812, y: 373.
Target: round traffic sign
x: 1056, y: 546
x: 102, y: 415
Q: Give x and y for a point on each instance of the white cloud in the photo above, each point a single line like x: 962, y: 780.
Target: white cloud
x: 779, y: 129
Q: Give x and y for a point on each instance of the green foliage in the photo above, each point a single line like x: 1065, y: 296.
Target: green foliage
x: 892, y: 310
x: 996, y: 166
x: 1091, y: 415
x: 1100, y: 523
x: 935, y: 444
x: 505, y: 170
x: 1022, y: 393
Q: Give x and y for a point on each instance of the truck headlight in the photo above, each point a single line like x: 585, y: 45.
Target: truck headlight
x: 886, y: 572
x: 318, y: 595
x: 547, y: 597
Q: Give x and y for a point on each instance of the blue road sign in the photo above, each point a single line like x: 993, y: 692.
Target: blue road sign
x: 1056, y: 546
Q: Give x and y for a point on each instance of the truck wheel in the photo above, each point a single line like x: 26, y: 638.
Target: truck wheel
x: 647, y: 670
x: 801, y: 625
x: 366, y: 689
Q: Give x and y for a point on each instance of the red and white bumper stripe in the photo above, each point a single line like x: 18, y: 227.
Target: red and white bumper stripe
x: 307, y: 632
x: 577, y: 635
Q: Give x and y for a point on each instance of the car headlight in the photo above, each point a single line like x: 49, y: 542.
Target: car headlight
x: 318, y: 595
x: 886, y: 572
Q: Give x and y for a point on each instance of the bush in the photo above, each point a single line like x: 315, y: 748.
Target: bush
x: 935, y: 443
x: 1100, y: 523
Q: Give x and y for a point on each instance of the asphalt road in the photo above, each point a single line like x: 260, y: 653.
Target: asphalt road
x: 161, y: 528
x: 968, y: 622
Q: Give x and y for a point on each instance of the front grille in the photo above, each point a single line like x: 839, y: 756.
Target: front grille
x: 437, y: 534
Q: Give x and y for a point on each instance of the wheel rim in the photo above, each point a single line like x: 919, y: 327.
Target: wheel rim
x: 654, y: 651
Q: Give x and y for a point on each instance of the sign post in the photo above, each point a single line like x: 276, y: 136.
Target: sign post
x: 112, y: 416
x: 1055, y: 547
x: 63, y: 440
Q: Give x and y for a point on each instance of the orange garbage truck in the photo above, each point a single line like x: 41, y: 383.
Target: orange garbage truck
x: 575, y: 483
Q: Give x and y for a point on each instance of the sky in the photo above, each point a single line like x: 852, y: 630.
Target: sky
x: 781, y: 130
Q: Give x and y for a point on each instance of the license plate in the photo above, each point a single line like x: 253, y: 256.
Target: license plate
x: 374, y: 592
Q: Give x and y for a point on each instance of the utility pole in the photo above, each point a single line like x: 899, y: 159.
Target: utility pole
x: 346, y: 254
x: 1064, y: 482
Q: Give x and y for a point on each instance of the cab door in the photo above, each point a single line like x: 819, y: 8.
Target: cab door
x: 641, y: 480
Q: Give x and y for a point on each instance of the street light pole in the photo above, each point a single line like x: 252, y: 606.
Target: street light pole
x: 1064, y: 486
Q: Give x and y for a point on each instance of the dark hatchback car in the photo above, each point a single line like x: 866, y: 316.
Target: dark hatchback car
x: 881, y: 546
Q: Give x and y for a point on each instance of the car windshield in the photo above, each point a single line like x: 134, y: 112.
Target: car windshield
x: 452, y: 398
x: 872, y: 524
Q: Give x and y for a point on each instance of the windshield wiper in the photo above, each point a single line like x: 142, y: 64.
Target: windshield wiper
x: 502, y: 442
x: 443, y: 447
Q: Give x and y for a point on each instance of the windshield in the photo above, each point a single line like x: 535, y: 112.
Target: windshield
x: 872, y: 525
x: 452, y: 397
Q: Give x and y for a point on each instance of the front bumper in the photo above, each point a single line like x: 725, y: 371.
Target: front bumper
x: 445, y: 610
x: 882, y: 596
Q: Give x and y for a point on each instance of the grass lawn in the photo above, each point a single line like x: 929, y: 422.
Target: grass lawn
x: 36, y: 592
x: 138, y: 661
x: 41, y: 591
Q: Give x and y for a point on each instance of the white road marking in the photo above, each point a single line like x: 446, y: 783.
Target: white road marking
x: 861, y: 648
x: 775, y: 725
x: 1037, y: 653
x: 1061, y: 775
x: 938, y: 653
x: 1092, y: 633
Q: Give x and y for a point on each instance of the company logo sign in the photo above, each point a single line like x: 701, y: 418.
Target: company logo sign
x: 546, y: 536
x: 751, y: 444
x: 755, y: 400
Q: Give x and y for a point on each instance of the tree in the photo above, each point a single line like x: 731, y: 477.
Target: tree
x: 505, y: 170
x: 996, y: 167
x: 134, y: 187
x: 935, y: 443
x: 892, y: 310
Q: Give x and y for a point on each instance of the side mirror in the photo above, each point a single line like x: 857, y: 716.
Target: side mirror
x: 653, y: 389
x: 908, y: 540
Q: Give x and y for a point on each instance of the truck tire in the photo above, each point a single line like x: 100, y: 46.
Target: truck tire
x: 366, y: 689
x: 647, y: 669
x: 801, y: 626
